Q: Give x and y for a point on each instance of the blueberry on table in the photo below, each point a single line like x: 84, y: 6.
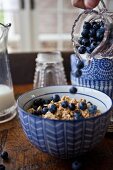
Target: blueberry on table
x: 78, y: 73
x: 64, y: 104
x: 76, y: 165
x: 2, y: 167
x: 55, y: 97
x: 73, y: 90
x: 80, y: 64
x: 53, y: 108
x: 4, y: 155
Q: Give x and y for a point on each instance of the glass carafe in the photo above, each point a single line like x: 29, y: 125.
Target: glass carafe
x: 7, y: 100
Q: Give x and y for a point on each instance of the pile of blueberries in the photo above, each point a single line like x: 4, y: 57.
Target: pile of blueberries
x: 91, y: 36
x: 53, y: 108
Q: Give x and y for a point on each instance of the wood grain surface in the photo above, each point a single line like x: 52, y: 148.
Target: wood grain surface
x: 24, y: 156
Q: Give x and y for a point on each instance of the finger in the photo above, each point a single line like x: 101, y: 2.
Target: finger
x: 91, y: 3
x: 78, y: 3
x: 85, y: 3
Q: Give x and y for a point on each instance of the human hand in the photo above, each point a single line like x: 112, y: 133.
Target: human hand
x: 85, y: 4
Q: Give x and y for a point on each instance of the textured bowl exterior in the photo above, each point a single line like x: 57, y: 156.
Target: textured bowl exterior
x: 64, y: 138
x: 98, y: 75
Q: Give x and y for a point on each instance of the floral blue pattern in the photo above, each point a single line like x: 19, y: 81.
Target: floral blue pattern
x: 97, y: 74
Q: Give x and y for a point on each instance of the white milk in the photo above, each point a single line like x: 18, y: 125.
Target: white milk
x: 6, y: 97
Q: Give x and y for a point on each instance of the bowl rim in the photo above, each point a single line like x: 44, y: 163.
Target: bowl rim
x: 84, y: 119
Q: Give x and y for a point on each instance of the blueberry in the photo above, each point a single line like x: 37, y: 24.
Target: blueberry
x: 77, y: 115
x: 80, y: 40
x: 4, y: 155
x: 82, y: 49
x: 80, y: 64
x: 92, y: 39
x: 85, y: 33
x: 37, y: 112
x: 93, y: 45
x: 86, y: 25
x: 78, y: 73
x: 73, y: 90
x: 45, y: 110
x: 71, y: 106
x: 2, y: 167
x: 64, y: 104
x: 92, y: 33
x: 92, y: 109
x: 101, y: 23
x: 47, y: 101
x: 95, y: 26
x: 99, y: 35
x: 38, y: 102
x: 76, y: 165
x: 89, y: 50
x: 55, y: 98
x: 53, y: 108
x: 102, y: 29
x: 85, y: 42
x: 83, y: 105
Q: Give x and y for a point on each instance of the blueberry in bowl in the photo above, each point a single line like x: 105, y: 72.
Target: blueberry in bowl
x: 69, y: 129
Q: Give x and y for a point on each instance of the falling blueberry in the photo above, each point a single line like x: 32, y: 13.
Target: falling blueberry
x: 80, y: 64
x: 78, y: 73
x: 73, y: 90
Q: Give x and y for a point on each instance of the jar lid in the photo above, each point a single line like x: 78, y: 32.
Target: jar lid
x: 49, y: 57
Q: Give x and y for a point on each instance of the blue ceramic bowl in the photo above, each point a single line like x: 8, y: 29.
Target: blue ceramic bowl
x: 65, y: 138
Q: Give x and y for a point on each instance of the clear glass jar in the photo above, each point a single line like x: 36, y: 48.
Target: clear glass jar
x: 49, y: 70
x: 7, y: 99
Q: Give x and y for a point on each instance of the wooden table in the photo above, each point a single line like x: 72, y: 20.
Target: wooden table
x: 24, y: 156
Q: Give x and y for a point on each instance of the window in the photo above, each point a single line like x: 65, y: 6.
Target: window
x: 39, y: 25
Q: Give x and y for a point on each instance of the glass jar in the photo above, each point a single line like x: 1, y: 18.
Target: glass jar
x: 49, y: 70
x: 7, y: 99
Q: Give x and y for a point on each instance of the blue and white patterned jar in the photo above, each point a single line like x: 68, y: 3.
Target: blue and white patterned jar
x: 97, y: 74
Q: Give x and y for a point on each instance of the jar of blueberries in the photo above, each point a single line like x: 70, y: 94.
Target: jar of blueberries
x: 92, y: 61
